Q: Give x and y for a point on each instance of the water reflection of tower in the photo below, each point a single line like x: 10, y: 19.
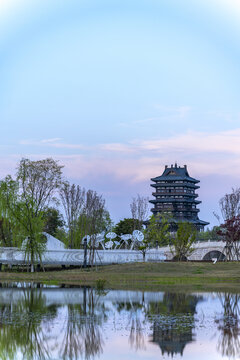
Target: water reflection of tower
x: 173, y: 322
x: 170, y: 340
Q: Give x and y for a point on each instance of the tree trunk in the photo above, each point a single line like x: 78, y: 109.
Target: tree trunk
x: 144, y: 255
x: 32, y: 254
x: 85, y: 254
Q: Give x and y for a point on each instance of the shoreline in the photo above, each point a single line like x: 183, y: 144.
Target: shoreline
x: 224, y: 276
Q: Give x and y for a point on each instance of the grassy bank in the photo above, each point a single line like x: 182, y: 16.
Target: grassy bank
x: 142, y: 276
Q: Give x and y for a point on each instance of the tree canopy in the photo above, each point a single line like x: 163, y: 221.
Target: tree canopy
x: 53, y: 221
x: 157, y: 231
x: 24, y: 200
x: 183, y: 240
x: 127, y: 225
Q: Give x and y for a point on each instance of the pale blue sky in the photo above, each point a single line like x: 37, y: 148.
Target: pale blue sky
x: 117, y: 89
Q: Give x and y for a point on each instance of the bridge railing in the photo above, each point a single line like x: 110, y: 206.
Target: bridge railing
x: 14, y: 256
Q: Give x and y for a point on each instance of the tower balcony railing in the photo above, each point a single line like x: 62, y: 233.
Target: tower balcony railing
x: 164, y: 209
x: 187, y: 184
x: 183, y: 217
x: 176, y: 211
x: 167, y: 193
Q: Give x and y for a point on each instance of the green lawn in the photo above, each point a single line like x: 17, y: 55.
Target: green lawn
x: 143, y: 276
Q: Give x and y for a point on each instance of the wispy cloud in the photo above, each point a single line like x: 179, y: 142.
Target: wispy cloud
x: 118, y: 147
x: 162, y: 113
x: 223, y: 115
x: 206, y: 153
x: 194, y: 142
x: 197, y: 142
x: 227, y: 142
x: 53, y: 142
x: 146, y: 121
x: 174, y: 112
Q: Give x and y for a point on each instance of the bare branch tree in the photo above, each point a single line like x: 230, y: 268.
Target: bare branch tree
x: 39, y: 180
x: 94, y: 211
x: 140, y: 208
x: 85, y: 215
x: 133, y: 207
x: 230, y: 204
x: 73, y: 200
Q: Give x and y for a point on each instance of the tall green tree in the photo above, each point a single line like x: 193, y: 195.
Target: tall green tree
x: 127, y: 226
x: 183, y: 240
x: 209, y: 234
x: 24, y: 200
x: 53, y: 221
x: 156, y: 234
x: 102, y: 223
x: 157, y: 231
x: 6, y: 233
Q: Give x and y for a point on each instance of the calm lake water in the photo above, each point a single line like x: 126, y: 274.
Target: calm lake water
x: 82, y: 323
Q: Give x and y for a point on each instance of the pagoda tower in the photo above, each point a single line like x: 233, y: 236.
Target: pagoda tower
x: 174, y: 193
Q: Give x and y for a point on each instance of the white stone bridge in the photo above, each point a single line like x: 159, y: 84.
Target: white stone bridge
x: 65, y: 257
x: 206, y: 250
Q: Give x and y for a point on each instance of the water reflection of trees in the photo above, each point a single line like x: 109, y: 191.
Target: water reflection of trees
x: 136, y: 337
x: 173, y: 322
x: 228, y: 325
x: 25, y: 328
x: 136, y: 321
x: 21, y: 327
x: 26, y: 325
x: 82, y: 331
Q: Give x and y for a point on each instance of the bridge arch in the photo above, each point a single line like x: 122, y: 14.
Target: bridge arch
x: 183, y: 258
x: 214, y: 254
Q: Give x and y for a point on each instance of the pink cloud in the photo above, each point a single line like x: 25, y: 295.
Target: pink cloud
x: 135, y: 161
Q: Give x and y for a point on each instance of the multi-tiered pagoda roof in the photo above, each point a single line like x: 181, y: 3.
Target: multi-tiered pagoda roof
x: 174, y: 193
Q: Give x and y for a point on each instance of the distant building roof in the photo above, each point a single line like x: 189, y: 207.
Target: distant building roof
x: 175, y: 173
